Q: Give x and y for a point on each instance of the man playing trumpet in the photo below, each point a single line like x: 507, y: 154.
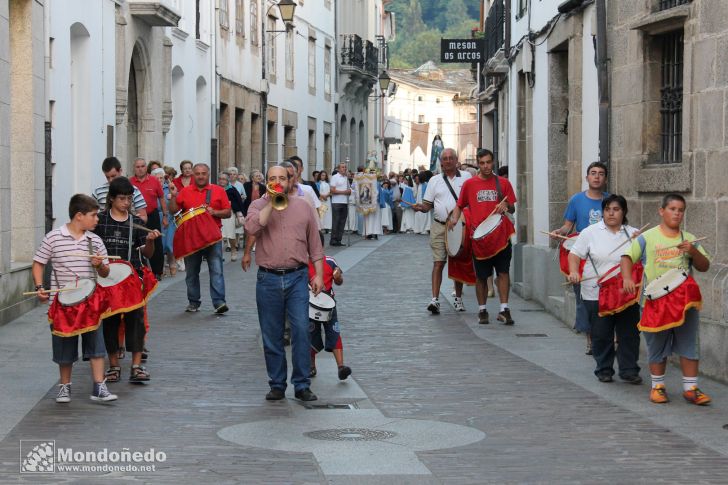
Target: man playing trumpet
x: 286, y: 238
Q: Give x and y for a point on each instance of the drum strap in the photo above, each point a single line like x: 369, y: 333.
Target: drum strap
x: 208, y: 197
x: 498, y: 188
x: 90, y: 251
x: 131, y: 230
x: 447, y: 182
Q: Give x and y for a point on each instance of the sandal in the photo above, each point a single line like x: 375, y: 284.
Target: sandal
x: 138, y: 374
x: 113, y: 374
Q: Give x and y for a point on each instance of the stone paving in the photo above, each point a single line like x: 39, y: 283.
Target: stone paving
x: 532, y: 424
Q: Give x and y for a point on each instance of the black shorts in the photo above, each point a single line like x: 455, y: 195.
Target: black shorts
x: 501, y: 262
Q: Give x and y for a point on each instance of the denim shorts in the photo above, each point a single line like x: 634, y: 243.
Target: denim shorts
x: 682, y: 340
x: 331, y: 331
x: 65, y: 349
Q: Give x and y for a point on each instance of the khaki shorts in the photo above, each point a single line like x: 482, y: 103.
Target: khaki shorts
x: 438, y: 234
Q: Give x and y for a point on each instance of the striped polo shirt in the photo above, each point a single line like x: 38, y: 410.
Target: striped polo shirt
x: 58, y: 246
x: 102, y: 192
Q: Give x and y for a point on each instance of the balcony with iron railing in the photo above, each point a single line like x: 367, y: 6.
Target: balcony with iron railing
x: 494, y: 29
x: 667, y: 4
x: 371, y: 63
x: 352, y: 51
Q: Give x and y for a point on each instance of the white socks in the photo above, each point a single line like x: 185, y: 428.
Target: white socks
x: 504, y: 306
x: 656, y: 380
x: 689, y: 382
x: 482, y: 307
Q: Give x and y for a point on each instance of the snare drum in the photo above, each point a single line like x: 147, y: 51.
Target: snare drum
x: 78, y: 309
x: 564, y: 249
x: 320, y: 307
x: 667, y: 300
x: 455, y: 237
x: 460, y: 267
x: 196, y: 230
x: 611, y: 298
x: 492, y: 236
x: 124, y: 288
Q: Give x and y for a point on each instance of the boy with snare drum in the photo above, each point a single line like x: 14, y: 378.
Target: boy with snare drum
x: 669, y: 321
x: 77, y: 254
x: 332, y: 274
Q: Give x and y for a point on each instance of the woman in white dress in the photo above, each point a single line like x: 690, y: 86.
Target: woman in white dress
x: 325, y: 191
x: 422, y: 219
x: 385, y: 206
x: 408, y: 200
x: 352, y: 219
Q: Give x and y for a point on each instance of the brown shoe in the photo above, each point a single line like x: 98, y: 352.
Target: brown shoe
x: 505, y: 317
x: 695, y: 396
x: 658, y: 394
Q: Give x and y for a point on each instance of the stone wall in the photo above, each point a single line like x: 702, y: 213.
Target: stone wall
x: 239, y: 128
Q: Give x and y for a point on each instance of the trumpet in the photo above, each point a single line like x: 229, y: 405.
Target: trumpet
x: 279, y: 200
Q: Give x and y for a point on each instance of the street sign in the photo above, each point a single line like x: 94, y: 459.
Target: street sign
x: 461, y: 50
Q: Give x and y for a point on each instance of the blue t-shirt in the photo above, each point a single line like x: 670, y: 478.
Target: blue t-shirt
x: 584, y: 211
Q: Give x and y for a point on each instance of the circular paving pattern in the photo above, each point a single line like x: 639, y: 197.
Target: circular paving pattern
x: 350, y: 434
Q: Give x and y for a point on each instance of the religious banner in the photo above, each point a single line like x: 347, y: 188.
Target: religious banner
x: 367, y: 192
x: 419, y: 137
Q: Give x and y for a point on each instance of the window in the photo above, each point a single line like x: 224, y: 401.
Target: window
x: 473, y: 116
x: 522, y: 8
x: 289, y: 56
x: 665, y: 4
x: 224, y: 15
x: 327, y: 4
x: 312, y: 65
x: 671, y: 95
x: 420, y: 118
x: 271, y: 44
x: 437, y: 100
x: 254, y: 22
x: 419, y: 98
x: 239, y: 18
x: 439, y: 126
x: 327, y: 71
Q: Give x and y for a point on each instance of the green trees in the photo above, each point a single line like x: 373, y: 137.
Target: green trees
x: 421, y: 24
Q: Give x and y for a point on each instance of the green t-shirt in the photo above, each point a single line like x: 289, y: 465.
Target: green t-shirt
x: 659, y: 253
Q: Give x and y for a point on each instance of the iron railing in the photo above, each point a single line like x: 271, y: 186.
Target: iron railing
x: 671, y: 94
x: 352, y: 51
x: 665, y: 4
x: 494, y: 29
x: 372, y: 58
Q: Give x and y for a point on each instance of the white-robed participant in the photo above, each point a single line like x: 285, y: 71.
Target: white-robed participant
x: 352, y: 220
x: 423, y: 220
x: 325, y: 196
x: 385, y: 206
x: 407, y: 202
x: 366, y: 190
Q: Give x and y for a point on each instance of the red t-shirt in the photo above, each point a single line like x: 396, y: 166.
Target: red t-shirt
x: 151, y: 189
x: 192, y: 196
x: 329, y: 267
x: 482, y: 197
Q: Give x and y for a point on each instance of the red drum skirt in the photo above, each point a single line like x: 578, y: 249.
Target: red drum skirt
x: 126, y: 295
x: 196, y: 230
x: 669, y: 311
x: 460, y: 268
x: 495, y: 242
x: 611, y: 298
x: 84, y: 316
x: 564, y: 249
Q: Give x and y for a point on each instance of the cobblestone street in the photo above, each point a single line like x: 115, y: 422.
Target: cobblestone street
x: 432, y: 399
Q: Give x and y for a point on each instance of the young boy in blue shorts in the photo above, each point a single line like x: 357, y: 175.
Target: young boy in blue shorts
x: 60, y: 247
x: 332, y: 274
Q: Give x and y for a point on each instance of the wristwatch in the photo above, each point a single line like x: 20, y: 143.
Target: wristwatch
x: 39, y: 287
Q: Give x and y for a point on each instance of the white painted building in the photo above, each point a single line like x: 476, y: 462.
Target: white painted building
x: 430, y: 101
x: 300, y: 75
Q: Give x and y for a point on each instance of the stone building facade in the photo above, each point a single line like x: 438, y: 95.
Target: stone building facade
x: 22, y: 152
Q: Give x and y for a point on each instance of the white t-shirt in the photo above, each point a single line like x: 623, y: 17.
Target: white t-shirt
x: 597, y: 241
x: 339, y: 182
x: 439, y: 195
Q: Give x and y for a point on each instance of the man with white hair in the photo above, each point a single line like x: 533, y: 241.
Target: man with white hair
x: 233, y: 174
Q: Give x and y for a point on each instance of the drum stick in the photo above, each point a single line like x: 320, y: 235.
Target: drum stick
x: 693, y: 241
x: 143, y: 228
x: 45, y: 292
x: 626, y: 241
x: 81, y: 255
x: 569, y: 283
x: 559, y: 236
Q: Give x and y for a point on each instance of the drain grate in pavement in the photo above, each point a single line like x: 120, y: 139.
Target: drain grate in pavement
x: 329, y: 406
x: 531, y: 335
x: 350, y: 434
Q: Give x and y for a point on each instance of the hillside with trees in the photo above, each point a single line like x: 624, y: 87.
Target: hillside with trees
x: 422, y: 23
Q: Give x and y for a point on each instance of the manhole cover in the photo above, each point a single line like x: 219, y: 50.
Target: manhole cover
x: 531, y: 335
x: 350, y: 434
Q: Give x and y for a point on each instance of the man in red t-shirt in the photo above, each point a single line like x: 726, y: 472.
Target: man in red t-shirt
x: 192, y: 196
x: 152, y: 192
x: 488, y: 194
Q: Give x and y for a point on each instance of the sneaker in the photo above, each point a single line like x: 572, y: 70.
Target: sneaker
x: 605, y: 378
x: 434, y: 306
x: 275, y: 394
x: 234, y: 256
x: 181, y: 265
x: 459, y: 306
x: 344, y: 372
x: 695, y: 396
x: 191, y: 308
x: 221, y: 309
x: 64, y: 393
x: 483, y: 317
x: 491, y: 293
x: 101, y: 392
x: 633, y: 379
x: 505, y: 317
x: 658, y: 394
x: 306, y: 395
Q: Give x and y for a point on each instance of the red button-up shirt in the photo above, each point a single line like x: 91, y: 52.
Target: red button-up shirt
x: 151, y: 189
x: 193, y: 196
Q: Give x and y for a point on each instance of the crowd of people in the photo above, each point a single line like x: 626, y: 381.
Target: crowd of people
x: 121, y: 238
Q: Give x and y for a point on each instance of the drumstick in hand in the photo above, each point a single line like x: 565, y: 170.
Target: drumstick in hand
x: 45, y: 292
x: 82, y: 255
x: 552, y: 234
x: 569, y: 283
x: 693, y: 241
x: 143, y: 228
x: 628, y: 240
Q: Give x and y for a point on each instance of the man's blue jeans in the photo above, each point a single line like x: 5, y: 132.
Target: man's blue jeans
x: 278, y: 296
x: 217, y: 280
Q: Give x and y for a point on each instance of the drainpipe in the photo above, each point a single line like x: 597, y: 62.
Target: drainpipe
x: 603, y: 82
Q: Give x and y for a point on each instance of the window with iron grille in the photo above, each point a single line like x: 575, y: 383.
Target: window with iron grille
x: 239, y: 18
x: 671, y: 97
x: 224, y: 14
x: 665, y: 4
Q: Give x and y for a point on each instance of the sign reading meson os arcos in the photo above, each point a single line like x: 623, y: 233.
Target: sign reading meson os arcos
x: 461, y: 50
